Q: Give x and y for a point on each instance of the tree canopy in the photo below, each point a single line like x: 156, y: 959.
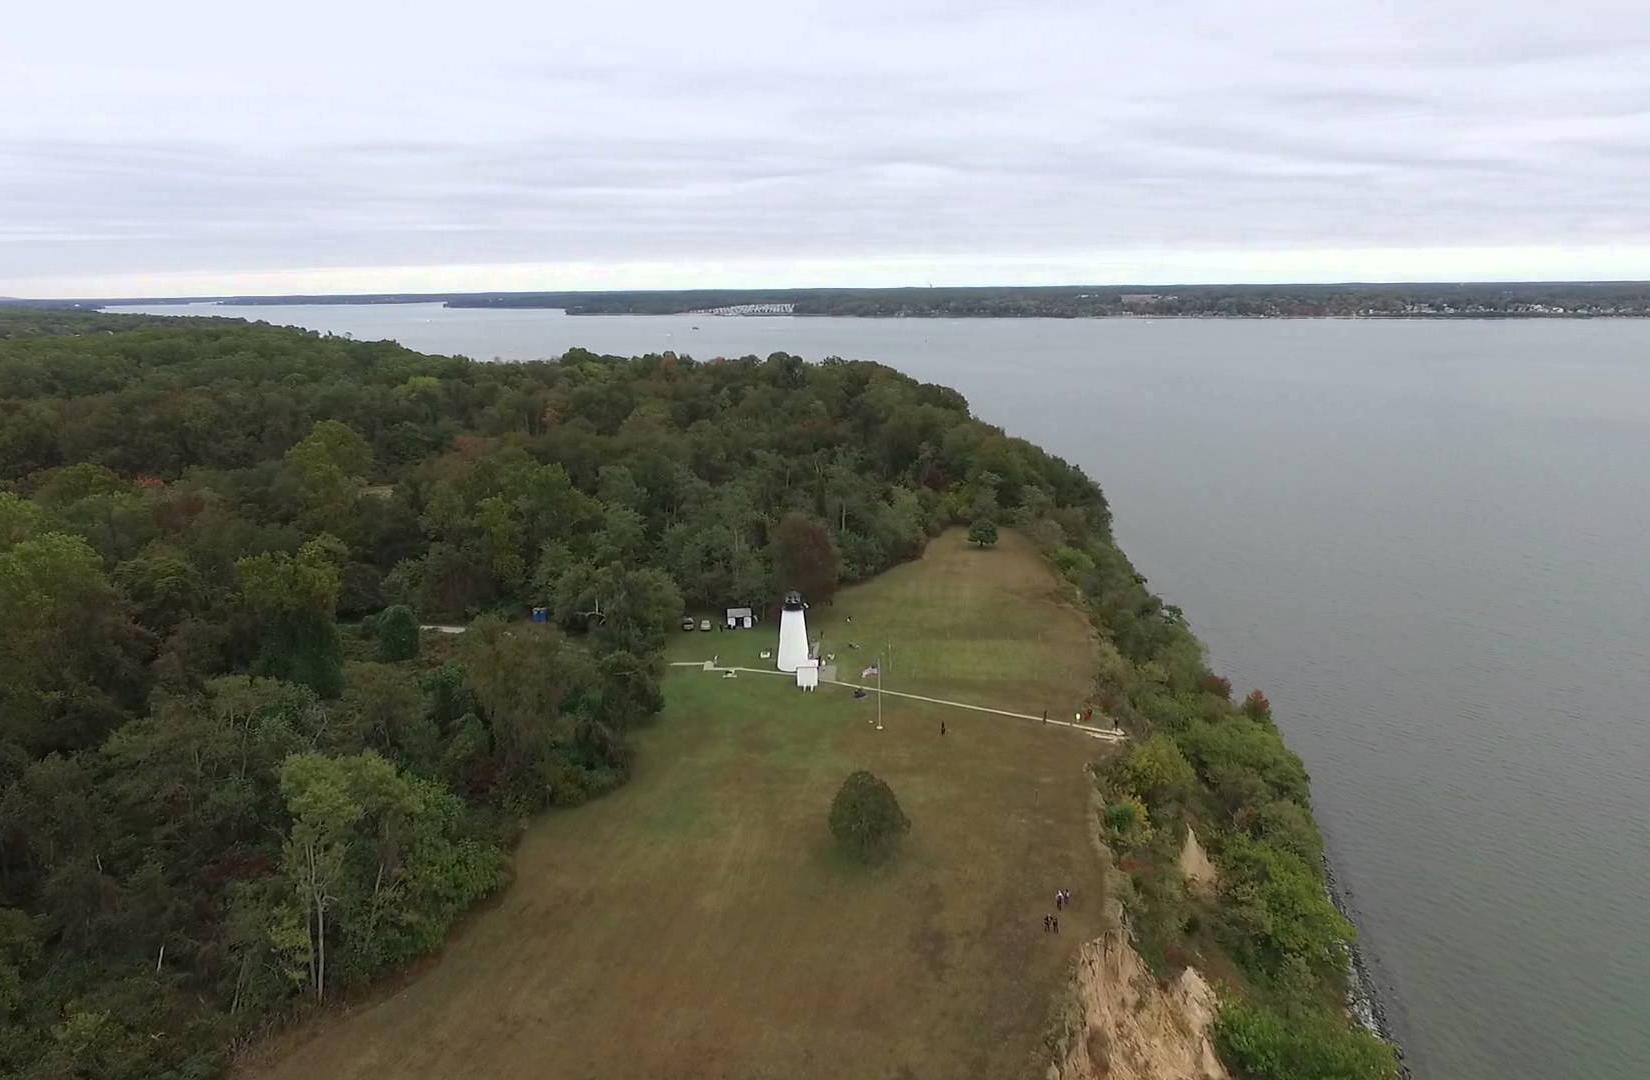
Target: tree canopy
x: 805, y: 558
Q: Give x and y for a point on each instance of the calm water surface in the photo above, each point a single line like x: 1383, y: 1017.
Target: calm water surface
x: 1426, y: 541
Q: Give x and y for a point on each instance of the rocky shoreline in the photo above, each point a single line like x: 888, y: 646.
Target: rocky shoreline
x: 1363, y: 992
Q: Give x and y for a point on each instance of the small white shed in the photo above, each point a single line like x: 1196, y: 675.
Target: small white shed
x: 740, y: 618
x: 807, y: 675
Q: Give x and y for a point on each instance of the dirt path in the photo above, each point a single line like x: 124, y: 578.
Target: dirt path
x: 1105, y: 734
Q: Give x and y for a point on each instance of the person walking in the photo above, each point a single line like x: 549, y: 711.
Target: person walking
x: 1047, y: 921
x: 942, y: 727
x: 1056, y: 923
x: 1045, y: 716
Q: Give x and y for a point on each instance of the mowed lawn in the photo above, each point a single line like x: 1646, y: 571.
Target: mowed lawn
x: 984, y: 627
x: 698, y: 923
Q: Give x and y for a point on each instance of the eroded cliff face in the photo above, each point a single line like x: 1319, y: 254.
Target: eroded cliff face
x: 1195, y: 866
x: 1120, y: 1024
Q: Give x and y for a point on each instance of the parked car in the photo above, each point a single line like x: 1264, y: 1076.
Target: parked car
x: 687, y: 622
x: 704, y: 624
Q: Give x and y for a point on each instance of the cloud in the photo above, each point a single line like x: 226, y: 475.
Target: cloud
x: 370, y: 143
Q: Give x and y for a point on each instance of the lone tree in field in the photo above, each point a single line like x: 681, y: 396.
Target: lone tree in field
x: 397, y: 634
x: 866, y: 818
x: 983, y: 532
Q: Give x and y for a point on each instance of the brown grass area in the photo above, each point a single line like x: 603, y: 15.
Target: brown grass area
x: 698, y: 923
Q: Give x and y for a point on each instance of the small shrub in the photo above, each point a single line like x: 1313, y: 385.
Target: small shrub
x: 1073, y: 563
x: 866, y: 818
x: 1127, y: 820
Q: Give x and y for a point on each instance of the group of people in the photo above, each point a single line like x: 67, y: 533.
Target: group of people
x: 1062, y: 901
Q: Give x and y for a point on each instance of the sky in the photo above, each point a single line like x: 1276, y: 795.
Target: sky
x: 196, y: 149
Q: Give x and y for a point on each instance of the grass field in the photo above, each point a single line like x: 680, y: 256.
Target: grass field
x: 698, y: 923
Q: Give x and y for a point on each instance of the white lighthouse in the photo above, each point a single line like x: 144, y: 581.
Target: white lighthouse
x: 793, y: 632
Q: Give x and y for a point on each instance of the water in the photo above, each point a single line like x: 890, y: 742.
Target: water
x: 1426, y: 541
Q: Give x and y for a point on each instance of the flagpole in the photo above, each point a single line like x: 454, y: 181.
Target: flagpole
x: 879, y: 693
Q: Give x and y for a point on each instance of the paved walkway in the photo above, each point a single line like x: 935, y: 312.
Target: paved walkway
x: 1104, y: 734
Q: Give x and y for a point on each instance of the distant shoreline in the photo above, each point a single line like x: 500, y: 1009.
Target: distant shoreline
x: 1486, y: 316
x: 1354, y: 300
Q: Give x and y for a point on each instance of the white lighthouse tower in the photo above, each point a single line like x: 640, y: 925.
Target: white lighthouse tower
x: 793, y: 632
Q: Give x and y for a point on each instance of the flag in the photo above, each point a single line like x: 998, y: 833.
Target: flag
x: 871, y: 672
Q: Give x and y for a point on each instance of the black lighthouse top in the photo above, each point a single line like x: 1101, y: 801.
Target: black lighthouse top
x: 793, y: 601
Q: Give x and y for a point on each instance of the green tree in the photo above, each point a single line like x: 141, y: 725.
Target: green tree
x: 332, y: 445
x: 385, y: 709
x: 326, y: 800
x: 1289, y: 826
x: 163, y: 587
x: 1128, y: 821
x: 1158, y: 772
x: 503, y: 538
x: 1275, y: 906
x: 69, y: 652
x: 715, y: 561
x: 623, y: 608
x: 197, y: 775
x: 1249, y: 744
x: 630, y: 694
x: 1263, y: 1045
x: 524, y: 676
x: 983, y: 532
x: 397, y: 634
x: 19, y: 519
x: 330, y: 465
x: 293, y: 598
x: 866, y: 818
x: 377, y: 864
x: 19, y: 951
x: 73, y: 483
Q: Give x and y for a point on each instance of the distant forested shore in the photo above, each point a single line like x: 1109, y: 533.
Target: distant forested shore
x: 1596, y: 299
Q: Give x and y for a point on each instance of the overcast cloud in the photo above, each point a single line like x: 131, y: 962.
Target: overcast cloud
x: 179, y: 148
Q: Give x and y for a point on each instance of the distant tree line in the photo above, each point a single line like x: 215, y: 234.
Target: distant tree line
x: 1351, y: 300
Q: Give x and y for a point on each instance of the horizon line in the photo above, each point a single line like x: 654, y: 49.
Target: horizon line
x: 441, y: 293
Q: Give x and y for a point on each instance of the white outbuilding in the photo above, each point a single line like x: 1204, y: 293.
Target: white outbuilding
x: 807, y: 675
x: 740, y: 618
